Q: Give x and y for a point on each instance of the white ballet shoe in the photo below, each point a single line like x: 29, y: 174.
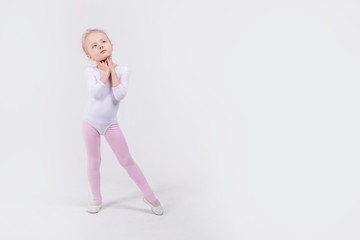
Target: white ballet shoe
x: 155, y: 206
x: 94, y: 207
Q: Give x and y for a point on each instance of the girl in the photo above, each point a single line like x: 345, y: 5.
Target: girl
x: 107, y: 84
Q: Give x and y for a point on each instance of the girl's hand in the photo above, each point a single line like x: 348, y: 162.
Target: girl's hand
x: 111, y: 65
x: 103, y: 66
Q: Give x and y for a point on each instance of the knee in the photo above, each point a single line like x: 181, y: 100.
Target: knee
x: 127, y: 161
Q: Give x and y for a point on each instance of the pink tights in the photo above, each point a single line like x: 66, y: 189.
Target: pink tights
x: 116, y: 140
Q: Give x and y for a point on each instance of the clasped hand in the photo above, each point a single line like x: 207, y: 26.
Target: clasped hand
x: 107, y: 65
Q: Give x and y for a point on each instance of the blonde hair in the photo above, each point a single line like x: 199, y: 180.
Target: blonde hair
x: 87, y: 33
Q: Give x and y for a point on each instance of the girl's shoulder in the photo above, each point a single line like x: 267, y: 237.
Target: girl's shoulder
x: 90, y: 68
x: 122, y: 68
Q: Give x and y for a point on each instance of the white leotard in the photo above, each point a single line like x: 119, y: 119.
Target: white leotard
x: 103, y: 102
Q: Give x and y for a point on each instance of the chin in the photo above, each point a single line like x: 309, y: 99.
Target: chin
x: 102, y: 58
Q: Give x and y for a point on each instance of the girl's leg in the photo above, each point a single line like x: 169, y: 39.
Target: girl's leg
x: 92, y: 142
x: 117, y: 142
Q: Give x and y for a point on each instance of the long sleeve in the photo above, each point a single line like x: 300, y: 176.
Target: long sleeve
x: 96, y: 89
x: 121, y: 90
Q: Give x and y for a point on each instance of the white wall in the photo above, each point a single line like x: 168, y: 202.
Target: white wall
x: 252, y: 104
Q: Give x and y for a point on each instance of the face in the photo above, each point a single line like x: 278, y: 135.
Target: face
x: 98, y: 46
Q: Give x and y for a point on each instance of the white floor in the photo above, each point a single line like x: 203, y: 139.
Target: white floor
x: 245, y: 203
x: 189, y: 214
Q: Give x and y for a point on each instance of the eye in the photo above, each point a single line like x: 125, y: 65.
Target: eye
x: 104, y: 41
x: 94, y: 45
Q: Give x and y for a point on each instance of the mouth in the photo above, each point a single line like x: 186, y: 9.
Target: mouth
x: 103, y: 51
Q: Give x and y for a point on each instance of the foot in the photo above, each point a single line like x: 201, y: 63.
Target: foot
x: 94, y: 207
x: 155, y: 206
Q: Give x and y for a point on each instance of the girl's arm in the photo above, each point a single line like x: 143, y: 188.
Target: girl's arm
x: 120, y: 89
x: 96, y: 89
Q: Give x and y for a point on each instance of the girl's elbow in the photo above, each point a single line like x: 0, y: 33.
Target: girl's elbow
x: 120, y: 96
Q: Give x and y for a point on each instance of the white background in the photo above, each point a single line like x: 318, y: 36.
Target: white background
x: 243, y: 116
